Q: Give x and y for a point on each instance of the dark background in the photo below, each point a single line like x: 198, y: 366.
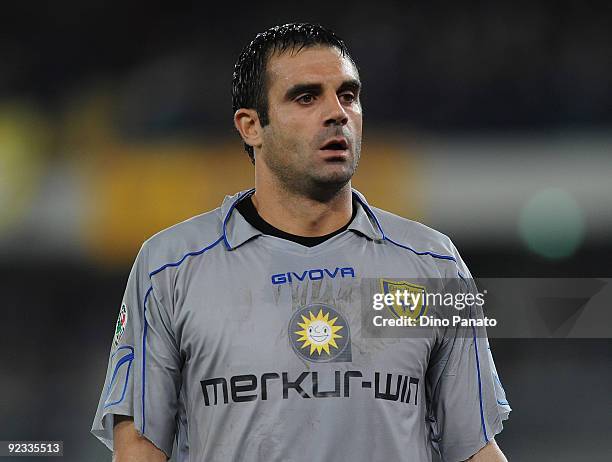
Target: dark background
x: 498, y: 72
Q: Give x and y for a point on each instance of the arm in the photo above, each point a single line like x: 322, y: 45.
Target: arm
x: 490, y: 453
x: 468, y: 403
x: 129, y: 446
x: 124, y: 392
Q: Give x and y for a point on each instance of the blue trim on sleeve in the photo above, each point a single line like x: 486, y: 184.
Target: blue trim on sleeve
x: 387, y: 238
x: 432, y: 254
x: 144, y: 356
x: 128, y: 357
x: 146, y: 323
x: 504, y: 402
x: 190, y: 254
x: 124, y: 347
x: 482, y: 419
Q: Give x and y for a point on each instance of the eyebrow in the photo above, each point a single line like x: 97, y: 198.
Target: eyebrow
x: 316, y: 88
x: 353, y: 85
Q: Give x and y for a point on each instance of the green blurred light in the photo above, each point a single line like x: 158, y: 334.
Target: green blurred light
x: 551, y: 224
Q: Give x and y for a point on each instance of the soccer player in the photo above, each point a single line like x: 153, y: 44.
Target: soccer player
x: 240, y: 335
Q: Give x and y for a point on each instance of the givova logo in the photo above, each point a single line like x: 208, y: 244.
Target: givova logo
x: 319, y: 333
x: 315, y: 274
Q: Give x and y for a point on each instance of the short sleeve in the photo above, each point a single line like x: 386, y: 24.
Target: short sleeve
x: 467, y: 403
x: 143, y: 373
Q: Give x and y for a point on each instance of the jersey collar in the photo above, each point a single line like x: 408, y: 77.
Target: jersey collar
x: 236, y: 230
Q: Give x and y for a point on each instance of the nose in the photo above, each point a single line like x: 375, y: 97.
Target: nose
x: 336, y: 115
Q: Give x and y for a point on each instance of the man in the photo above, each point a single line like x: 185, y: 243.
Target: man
x: 240, y: 336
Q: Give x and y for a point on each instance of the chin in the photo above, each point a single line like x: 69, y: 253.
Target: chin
x: 331, y: 183
x: 333, y: 175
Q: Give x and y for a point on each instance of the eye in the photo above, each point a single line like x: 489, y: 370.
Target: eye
x: 348, y: 97
x: 305, y: 99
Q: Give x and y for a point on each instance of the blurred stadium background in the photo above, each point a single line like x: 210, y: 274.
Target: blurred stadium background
x: 488, y: 122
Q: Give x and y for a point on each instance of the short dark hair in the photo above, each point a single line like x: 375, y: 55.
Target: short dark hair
x: 249, y: 89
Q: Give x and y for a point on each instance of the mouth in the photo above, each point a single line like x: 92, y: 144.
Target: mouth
x: 335, y: 149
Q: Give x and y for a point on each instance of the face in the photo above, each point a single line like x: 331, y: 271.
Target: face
x: 319, y: 332
x: 313, y: 140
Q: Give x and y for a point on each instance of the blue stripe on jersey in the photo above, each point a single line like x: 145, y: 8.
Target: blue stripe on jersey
x: 146, y: 324
x: 482, y: 419
x: 432, y: 254
x: 190, y: 254
x: 128, y: 357
x: 387, y: 238
x: 144, y: 356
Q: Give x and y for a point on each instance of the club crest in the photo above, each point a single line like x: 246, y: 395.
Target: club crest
x: 411, y: 302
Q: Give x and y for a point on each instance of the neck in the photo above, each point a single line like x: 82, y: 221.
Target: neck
x: 301, y: 215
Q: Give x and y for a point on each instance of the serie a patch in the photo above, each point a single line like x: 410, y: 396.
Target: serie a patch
x: 122, y: 320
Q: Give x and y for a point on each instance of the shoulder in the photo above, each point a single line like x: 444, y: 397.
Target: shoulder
x: 413, y: 234
x: 418, y: 238
x: 197, y: 234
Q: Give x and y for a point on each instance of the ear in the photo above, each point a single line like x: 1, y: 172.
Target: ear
x: 247, y: 123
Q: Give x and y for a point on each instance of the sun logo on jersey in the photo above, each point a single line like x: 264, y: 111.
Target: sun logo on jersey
x: 320, y: 333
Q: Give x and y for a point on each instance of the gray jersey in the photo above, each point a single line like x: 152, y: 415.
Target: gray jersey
x: 235, y: 345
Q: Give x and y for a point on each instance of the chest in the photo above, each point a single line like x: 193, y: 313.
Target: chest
x: 278, y: 313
